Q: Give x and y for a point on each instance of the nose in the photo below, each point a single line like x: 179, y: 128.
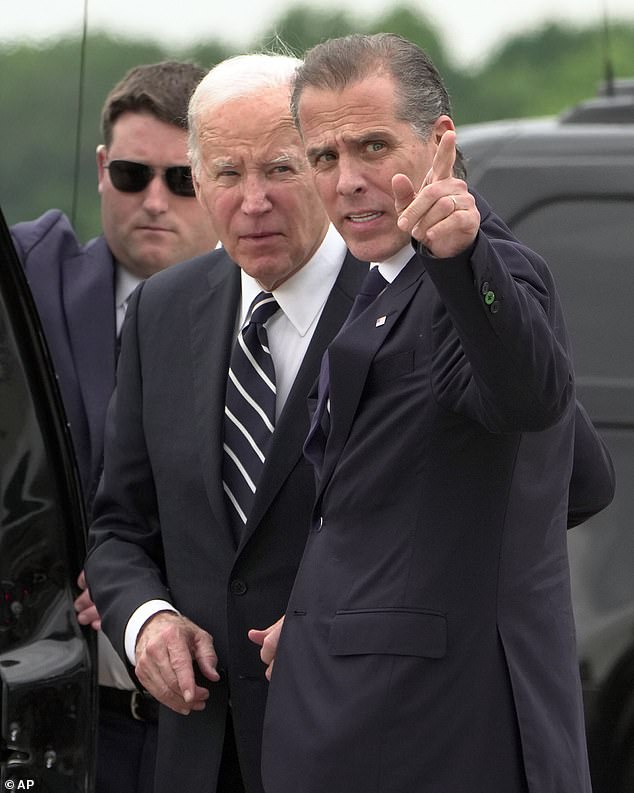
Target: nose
x: 255, y: 197
x: 156, y: 196
x: 350, y: 180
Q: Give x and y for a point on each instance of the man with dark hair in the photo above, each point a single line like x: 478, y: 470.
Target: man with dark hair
x: 150, y: 221
x: 428, y: 644
x: 160, y: 89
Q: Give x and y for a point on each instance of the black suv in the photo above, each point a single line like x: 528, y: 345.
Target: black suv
x: 565, y: 187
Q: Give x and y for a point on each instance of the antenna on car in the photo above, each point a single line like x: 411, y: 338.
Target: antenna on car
x: 80, y: 112
x: 608, y: 66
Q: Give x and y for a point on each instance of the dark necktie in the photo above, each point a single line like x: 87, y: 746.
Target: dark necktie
x: 249, y: 411
x: 373, y: 284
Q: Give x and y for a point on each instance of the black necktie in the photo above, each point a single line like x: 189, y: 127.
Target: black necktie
x: 249, y: 411
x: 373, y: 284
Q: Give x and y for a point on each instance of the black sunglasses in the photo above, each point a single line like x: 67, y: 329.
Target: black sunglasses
x: 132, y: 177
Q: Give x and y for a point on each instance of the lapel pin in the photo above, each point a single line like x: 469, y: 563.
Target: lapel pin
x: 380, y: 321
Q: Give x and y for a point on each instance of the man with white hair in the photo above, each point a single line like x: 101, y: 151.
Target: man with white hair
x: 204, y: 507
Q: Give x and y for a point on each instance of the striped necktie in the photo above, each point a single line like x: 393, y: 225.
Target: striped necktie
x: 249, y: 411
x: 373, y: 284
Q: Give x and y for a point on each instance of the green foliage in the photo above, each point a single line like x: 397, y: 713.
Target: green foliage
x: 415, y: 26
x: 546, y: 70
x: 537, y: 73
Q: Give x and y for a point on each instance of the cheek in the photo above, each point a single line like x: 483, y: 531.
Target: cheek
x: 117, y: 208
x: 380, y: 178
x: 310, y: 205
x: 121, y: 206
x: 217, y: 207
x: 192, y: 216
x: 326, y: 186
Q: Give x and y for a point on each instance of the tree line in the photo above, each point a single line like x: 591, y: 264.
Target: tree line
x: 48, y: 136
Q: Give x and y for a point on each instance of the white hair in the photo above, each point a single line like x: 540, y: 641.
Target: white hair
x: 236, y: 77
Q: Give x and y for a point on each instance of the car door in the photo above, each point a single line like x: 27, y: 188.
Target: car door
x: 47, y: 661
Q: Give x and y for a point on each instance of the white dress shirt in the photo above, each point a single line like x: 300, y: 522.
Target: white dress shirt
x: 125, y: 284
x: 301, y: 299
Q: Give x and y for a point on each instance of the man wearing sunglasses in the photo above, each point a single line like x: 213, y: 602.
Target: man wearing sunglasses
x: 150, y: 220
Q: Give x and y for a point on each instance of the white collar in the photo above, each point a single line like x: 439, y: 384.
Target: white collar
x: 391, y: 267
x: 125, y: 283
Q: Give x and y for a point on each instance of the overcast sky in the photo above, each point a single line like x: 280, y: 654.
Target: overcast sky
x: 472, y: 27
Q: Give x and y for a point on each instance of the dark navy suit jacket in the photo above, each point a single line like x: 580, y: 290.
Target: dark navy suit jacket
x: 429, y: 642
x: 73, y: 287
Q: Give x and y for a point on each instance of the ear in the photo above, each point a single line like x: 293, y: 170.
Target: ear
x: 441, y: 125
x: 196, y: 183
x: 102, y: 159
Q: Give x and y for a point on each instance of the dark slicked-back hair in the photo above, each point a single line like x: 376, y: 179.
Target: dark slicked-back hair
x: 421, y: 96
x: 162, y: 89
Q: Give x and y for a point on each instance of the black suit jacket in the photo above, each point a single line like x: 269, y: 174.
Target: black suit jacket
x: 161, y: 528
x: 429, y: 639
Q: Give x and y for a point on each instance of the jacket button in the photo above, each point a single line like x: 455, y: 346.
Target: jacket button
x: 494, y: 307
x: 237, y: 587
x: 484, y: 288
x: 489, y: 297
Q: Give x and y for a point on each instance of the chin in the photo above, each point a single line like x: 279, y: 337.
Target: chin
x: 379, y: 250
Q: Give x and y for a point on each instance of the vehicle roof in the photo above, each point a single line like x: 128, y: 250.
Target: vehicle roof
x: 543, y: 139
x: 549, y: 158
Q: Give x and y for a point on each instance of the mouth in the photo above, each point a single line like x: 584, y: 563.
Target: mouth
x: 155, y: 229
x: 260, y: 235
x: 363, y: 217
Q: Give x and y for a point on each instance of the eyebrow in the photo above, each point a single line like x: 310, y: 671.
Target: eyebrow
x: 314, y: 151
x: 281, y: 158
x: 284, y: 157
x: 218, y: 164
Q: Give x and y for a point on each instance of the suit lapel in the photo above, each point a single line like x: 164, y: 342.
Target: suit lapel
x: 351, y: 356
x: 212, y: 320
x: 88, y: 294
x: 292, y: 426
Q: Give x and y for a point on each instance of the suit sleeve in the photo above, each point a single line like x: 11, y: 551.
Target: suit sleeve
x: 500, y: 347
x: 125, y: 566
x: 592, y: 482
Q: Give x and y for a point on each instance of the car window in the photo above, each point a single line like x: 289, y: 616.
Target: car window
x: 589, y: 246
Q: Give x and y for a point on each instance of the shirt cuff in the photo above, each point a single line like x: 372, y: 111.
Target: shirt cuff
x: 138, y: 620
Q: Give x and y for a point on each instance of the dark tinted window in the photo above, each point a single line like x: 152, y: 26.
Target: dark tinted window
x: 589, y: 246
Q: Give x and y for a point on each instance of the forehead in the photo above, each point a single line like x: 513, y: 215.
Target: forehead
x: 143, y: 137
x: 256, y: 128
x: 363, y: 105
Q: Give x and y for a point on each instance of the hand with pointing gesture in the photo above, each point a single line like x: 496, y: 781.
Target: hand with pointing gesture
x: 442, y: 214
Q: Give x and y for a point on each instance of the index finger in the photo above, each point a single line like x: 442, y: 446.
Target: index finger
x: 182, y: 670
x: 445, y: 158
